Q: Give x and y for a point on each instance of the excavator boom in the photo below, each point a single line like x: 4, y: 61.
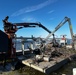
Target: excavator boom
x: 16, y: 26
x: 66, y: 19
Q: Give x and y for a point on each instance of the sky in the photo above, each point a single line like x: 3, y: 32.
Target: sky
x: 48, y: 12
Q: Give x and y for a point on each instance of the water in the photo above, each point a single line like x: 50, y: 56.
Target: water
x: 28, y: 43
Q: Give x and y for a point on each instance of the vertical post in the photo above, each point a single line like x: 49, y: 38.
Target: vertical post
x: 71, y: 31
x: 31, y: 46
x: 74, y: 71
x: 23, y: 46
x: 75, y: 44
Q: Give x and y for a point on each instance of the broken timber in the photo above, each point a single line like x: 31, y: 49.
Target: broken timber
x: 47, y: 67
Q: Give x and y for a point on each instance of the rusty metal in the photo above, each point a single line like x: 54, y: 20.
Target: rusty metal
x: 11, y: 28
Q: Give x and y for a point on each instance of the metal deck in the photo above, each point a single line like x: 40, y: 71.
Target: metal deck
x: 46, y: 67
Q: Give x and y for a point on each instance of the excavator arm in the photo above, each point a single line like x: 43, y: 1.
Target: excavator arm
x: 32, y: 25
x: 66, y: 19
x: 11, y: 28
x: 16, y: 26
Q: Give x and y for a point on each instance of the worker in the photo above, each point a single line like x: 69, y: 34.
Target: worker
x: 55, y: 44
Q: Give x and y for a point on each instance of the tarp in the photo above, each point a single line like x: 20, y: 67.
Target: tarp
x: 3, y: 42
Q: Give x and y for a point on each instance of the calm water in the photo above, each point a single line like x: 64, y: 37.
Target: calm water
x: 27, y: 44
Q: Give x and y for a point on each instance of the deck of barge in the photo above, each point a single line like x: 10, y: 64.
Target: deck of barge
x: 47, y: 67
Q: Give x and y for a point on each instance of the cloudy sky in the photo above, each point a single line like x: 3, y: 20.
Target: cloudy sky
x: 49, y: 12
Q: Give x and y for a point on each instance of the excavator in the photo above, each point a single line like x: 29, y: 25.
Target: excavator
x: 9, y: 34
x: 7, y: 49
x: 66, y: 19
x: 11, y: 28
